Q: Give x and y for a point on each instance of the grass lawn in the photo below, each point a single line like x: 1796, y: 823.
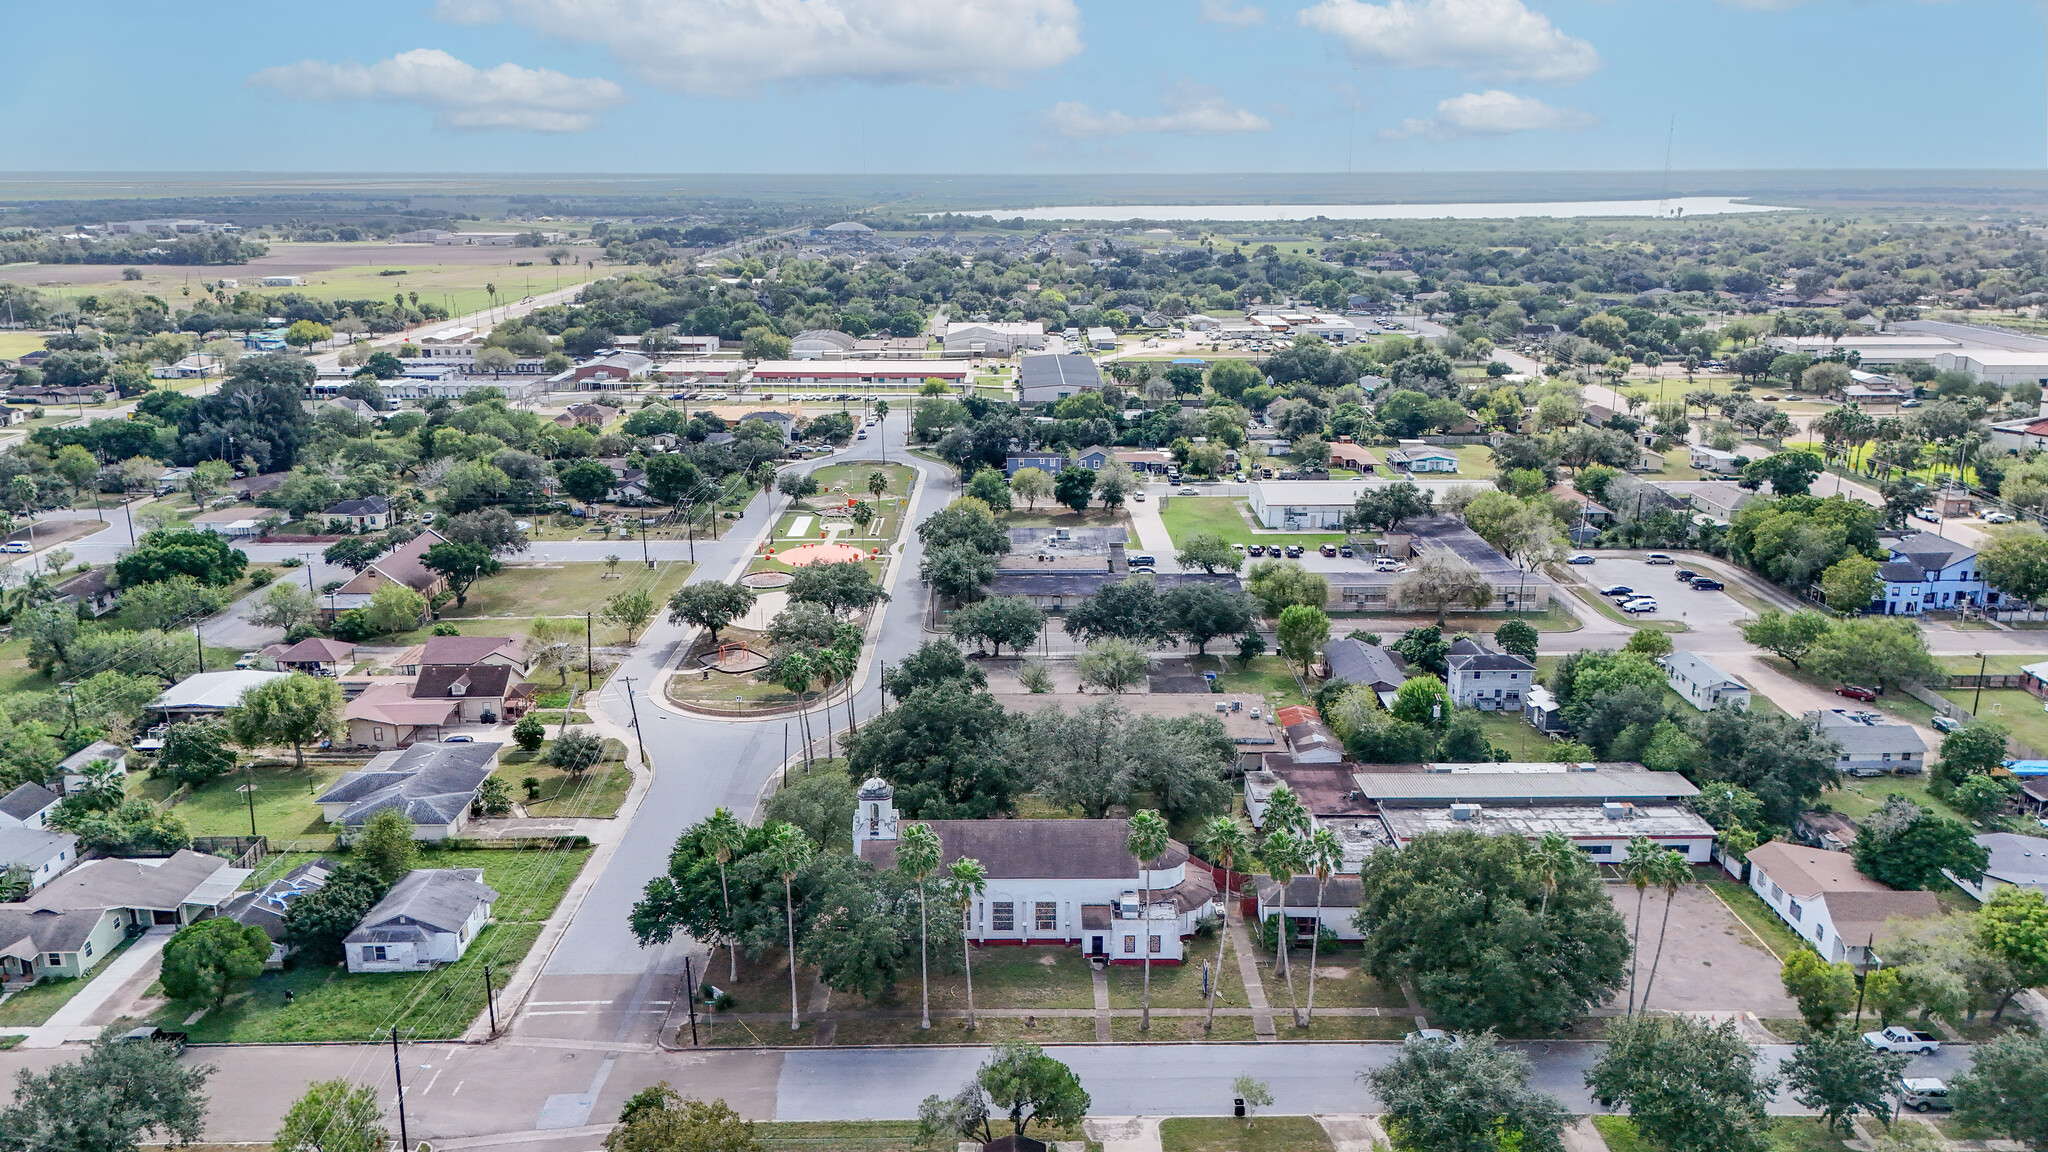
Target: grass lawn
x: 285, y: 811
x: 990, y: 1030
x: 1268, y: 676
x: 1167, y: 1029
x: 1179, y: 986
x: 36, y: 1003
x: 597, y: 792
x: 1228, y: 1134
x: 865, y: 1135
x: 14, y: 345
x: 1751, y: 910
x: 1788, y: 1134
x: 1004, y: 977
x: 852, y: 480
x: 1475, y: 461
x: 329, y: 1004
x: 1995, y: 664
x: 1051, y: 515
x: 1509, y: 731
x: 1187, y: 515
x: 2016, y: 708
x: 566, y: 589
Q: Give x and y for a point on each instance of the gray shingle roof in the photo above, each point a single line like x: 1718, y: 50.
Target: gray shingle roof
x: 26, y: 801
x: 266, y: 906
x: 1861, y: 733
x: 1357, y: 662
x: 154, y: 883
x: 1931, y: 551
x: 423, y: 902
x: 47, y: 929
x: 430, y: 783
x: 33, y: 847
x: 1699, y: 670
x: 367, y: 506
x: 2016, y: 859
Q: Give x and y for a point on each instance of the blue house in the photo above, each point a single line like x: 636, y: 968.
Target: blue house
x: 1049, y: 463
x: 1930, y: 573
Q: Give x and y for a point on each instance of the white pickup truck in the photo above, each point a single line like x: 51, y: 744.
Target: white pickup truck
x: 1896, y: 1039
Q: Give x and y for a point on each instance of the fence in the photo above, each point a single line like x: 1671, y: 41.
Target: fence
x: 239, y: 851
x: 1943, y: 706
x: 1994, y: 680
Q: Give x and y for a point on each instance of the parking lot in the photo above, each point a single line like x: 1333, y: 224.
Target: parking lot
x: 1699, y: 611
x: 1710, y: 963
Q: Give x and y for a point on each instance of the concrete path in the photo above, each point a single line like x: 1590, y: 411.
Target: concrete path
x: 1150, y: 527
x: 1583, y: 1137
x: 1359, y: 1133
x: 1124, y: 1133
x: 69, y: 1022
x: 1248, y: 971
x: 1102, y: 1013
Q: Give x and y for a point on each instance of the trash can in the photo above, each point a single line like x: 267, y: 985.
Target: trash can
x: 1240, y: 1108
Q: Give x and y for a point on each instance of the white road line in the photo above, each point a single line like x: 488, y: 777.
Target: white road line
x: 431, y: 1081
x: 458, y: 1088
x: 557, y: 1003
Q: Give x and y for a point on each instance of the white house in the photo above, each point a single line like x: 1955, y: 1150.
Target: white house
x: 432, y: 784
x: 28, y: 806
x: 1059, y: 882
x: 1303, y: 504
x: 41, y: 853
x: 1714, y: 460
x: 1102, y: 338
x: 427, y: 919
x: 1486, y: 680
x: 1702, y: 682
x: 1422, y: 458
x: 1927, y: 573
x: 369, y: 514
x: 72, y: 770
x: 2016, y: 862
x: 1831, y: 905
x: 1871, y: 741
x: 1339, y: 905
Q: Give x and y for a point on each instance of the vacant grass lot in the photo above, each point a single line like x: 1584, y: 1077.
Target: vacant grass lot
x: 595, y: 793
x: 2016, y: 708
x: 1751, y: 910
x: 1509, y: 731
x: 1267, y: 676
x: 1228, y: 1134
x: 1185, y: 516
x: 285, y: 811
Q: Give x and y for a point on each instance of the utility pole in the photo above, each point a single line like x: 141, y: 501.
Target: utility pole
x: 690, y: 990
x: 635, y: 706
x: 248, y: 789
x: 1983, y: 661
x: 199, y: 645
x: 589, y: 668
x: 398, y: 1073
x: 491, y: 1001
x: 308, y: 558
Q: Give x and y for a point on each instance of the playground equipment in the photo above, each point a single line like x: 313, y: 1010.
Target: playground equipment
x: 733, y: 658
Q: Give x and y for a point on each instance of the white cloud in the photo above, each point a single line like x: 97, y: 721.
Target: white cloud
x: 461, y: 95
x: 1485, y: 39
x: 1493, y: 113
x: 1190, y: 110
x: 722, y: 45
x: 1220, y: 12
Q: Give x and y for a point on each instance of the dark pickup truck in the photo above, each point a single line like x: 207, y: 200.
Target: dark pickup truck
x: 175, y: 1040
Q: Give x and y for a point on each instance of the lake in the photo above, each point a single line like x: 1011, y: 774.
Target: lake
x: 1676, y: 206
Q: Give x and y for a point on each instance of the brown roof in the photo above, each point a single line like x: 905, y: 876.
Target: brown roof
x: 1036, y: 849
x: 393, y: 704
x: 1326, y: 789
x: 316, y: 648
x: 465, y: 650
x: 1861, y: 916
x: 402, y: 565
x: 91, y: 583
x: 436, y: 681
x: 1810, y: 872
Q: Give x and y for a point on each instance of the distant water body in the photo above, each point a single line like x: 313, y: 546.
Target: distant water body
x: 1677, y: 206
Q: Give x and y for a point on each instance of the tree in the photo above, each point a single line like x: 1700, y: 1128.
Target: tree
x: 1208, y: 551
x: 2015, y: 561
x: 935, y: 662
x: 355, y: 553
x: 1788, y: 473
x: 1227, y: 844
x: 1650, y: 642
x: 661, y: 1120
x: 462, y: 565
x: 334, y: 1116
x: 710, y: 606
x: 965, y: 521
x: 1672, y: 872
x: 1472, y: 921
x: 1301, y: 633
x: 166, y: 604
x: 303, y: 334
x: 195, y: 753
x: 761, y: 342
x: 1790, y: 635
x: 1851, y: 584
x: 841, y: 588
x: 1688, y: 1086
x: 1030, y: 1087
x: 966, y: 880
x: 1840, y: 1076
x: 285, y: 605
x: 957, y: 571
x: 492, y: 529
x: 1518, y: 638
x: 1471, y: 1097
x: 386, y: 845
x: 1253, y: 1093
x: 208, y: 959
x: 941, y: 748
x: 1780, y: 759
x: 2006, y: 1089
x: 1000, y: 620
x: 163, y: 554
x: 1384, y: 507
x: 1114, y: 484
x: 1975, y: 749
x: 1113, y: 665
x: 918, y: 854
x: 1127, y: 610
x: 1825, y: 991
x: 1200, y: 613
x: 1910, y: 847
x: 1032, y: 485
x: 1147, y: 840
x: 576, y: 752
x: 1885, y: 651
x: 588, y: 480
x: 529, y: 733
x: 1423, y: 700
x: 108, y: 1101
x: 1322, y: 855
x: 989, y: 487
x: 295, y: 710
x: 316, y: 922
x: 790, y: 851
x: 2013, y: 927
x: 1073, y: 486
x: 396, y: 608
x: 1441, y: 579
x: 1277, y: 583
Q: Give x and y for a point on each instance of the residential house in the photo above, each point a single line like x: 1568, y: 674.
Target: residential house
x: 461, y: 652
x: 1543, y: 712
x: 1927, y: 573
x: 1423, y: 458
x: 1871, y: 742
x: 207, y: 695
x: 28, y: 806
x: 2016, y: 862
x: 1824, y: 899
x: 1050, y: 377
x: 432, y: 784
x: 93, y: 591
x: 1048, y: 462
x: 1345, y: 454
x: 1830, y: 830
x: 77, y: 919
x: 1715, y: 460
x: 1095, y: 458
x: 476, y: 692
x: 265, y: 908
x: 1358, y: 584
x: 401, y: 565
x: 1372, y: 665
x: 41, y: 853
x: 1702, y: 682
x: 385, y: 716
x: 1058, y: 882
x: 72, y: 769
x: 591, y: 416
x: 427, y: 919
x: 1310, y: 741
x: 1487, y: 680
x: 235, y: 523
x: 1599, y: 807
x: 1309, y: 903
x: 821, y: 344
x: 369, y: 514
x: 316, y: 656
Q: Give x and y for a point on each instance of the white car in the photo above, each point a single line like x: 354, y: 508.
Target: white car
x: 1432, y: 1036
x: 1644, y: 604
x: 1998, y: 518
x: 16, y: 546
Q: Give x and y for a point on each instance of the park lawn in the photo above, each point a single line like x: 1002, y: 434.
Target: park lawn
x: 851, y: 479
x: 1994, y: 664
x: 1051, y: 515
x: 1224, y: 516
x: 570, y: 589
x: 1229, y: 1134
x: 15, y: 345
x: 1507, y: 730
x: 595, y: 793
x: 1752, y: 911
x: 35, y: 1004
x: 1268, y: 676
x: 285, y: 811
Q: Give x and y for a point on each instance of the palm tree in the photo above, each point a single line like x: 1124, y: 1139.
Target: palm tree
x: 791, y: 850
x: 1673, y: 872
x: 917, y: 856
x: 1227, y: 845
x: 1282, y: 854
x: 1555, y: 857
x: 878, y: 483
x: 967, y: 879
x: 1147, y: 841
x: 727, y: 836
x: 1323, y: 855
x: 1638, y: 869
x: 103, y: 786
x: 1286, y: 813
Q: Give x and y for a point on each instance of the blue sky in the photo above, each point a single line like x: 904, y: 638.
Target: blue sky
x: 563, y: 86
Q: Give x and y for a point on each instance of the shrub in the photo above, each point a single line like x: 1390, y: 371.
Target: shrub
x: 576, y: 751
x: 529, y: 733
x: 261, y: 577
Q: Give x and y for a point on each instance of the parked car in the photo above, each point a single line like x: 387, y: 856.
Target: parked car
x: 1433, y: 1036
x: 1706, y: 584
x: 1386, y: 564
x: 16, y: 546
x: 1617, y: 590
x: 1345, y: 551
x: 1328, y: 549
x: 1658, y: 558
x: 151, y: 1034
x: 1924, y: 1094
x: 1770, y: 399
x: 1897, y: 1039
x: 1241, y: 549
x: 1640, y: 604
x: 1294, y: 551
x: 1581, y: 558
x: 1858, y: 692
x: 1927, y: 514
x: 458, y: 739
x: 1909, y: 403
x: 1998, y: 518
x: 1138, y: 496
x: 1945, y: 723
x: 1255, y: 549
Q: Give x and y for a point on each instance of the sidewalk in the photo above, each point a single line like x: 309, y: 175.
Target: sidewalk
x: 69, y: 1021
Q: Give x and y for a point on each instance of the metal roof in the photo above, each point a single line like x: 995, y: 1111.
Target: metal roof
x: 1522, y: 783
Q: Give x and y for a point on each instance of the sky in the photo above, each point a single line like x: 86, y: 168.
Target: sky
x: 999, y: 86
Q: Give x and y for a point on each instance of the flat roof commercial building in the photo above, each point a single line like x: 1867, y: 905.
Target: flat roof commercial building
x: 1599, y: 807
x: 1050, y: 377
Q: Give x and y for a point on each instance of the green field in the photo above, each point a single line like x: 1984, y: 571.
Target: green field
x: 594, y: 793
x: 14, y: 345
x: 505, y: 604
x: 1787, y: 1134
x: 1187, y: 515
x: 1257, y: 1134
x: 285, y: 811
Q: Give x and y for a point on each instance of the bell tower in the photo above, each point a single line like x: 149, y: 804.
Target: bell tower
x: 874, y: 813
